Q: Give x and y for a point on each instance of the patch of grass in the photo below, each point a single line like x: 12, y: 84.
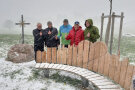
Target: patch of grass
x: 35, y: 74
x: 12, y: 74
x: 65, y: 79
x: 43, y: 88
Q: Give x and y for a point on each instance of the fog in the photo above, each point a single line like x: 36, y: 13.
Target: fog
x: 35, y: 11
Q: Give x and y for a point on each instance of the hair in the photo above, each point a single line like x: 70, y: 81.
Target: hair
x: 39, y: 23
x: 49, y: 22
x: 65, y: 20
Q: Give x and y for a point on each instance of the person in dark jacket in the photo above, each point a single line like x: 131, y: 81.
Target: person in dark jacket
x: 50, y: 36
x: 38, y: 39
x: 91, y: 32
x: 76, y: 35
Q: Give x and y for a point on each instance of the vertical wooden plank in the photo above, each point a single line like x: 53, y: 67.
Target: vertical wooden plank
x: 96, y: 56
x: 91, y: 57
x: 44, y: 57
x: 70, y: 54
x: 128, y: 78
x: 124, y: 65
x: 112, y: 67
x: 101, y: 64
x: 49, y: 55
x: 101, y: 59
x: 106, y: 64
x: 85, y: 53
x: 64, y: 55
x: 74, y: 62
x: 54, y: 54
x: 39, y: 57
x: 59, y: 56
x: 80, y: 54
x: 117, y: 70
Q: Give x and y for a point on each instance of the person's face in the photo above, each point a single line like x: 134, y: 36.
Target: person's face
x: 50, y: 25
x: 65, y: 23
x: 76, y: 27
x: 87, y: 24
x: 39, y: 26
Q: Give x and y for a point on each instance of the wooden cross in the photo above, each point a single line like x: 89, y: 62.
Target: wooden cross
x: 22, y: 24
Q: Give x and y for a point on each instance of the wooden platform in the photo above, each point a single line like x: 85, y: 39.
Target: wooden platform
x: 98, y: 80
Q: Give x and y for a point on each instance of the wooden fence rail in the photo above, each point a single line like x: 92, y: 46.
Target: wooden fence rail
x: 92, y: 56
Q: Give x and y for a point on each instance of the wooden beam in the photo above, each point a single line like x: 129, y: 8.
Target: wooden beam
x: 112, y: 32
x: 102, y: 25
x: 120, y: 32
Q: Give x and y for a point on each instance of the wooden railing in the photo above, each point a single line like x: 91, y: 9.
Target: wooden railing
x: 92, y: 56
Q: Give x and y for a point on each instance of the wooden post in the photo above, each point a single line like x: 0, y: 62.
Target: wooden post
x: 102, y: 25
x: 108, y: 30
x: 22, y: 30
x: 120, y: 32
x: 112, y: 32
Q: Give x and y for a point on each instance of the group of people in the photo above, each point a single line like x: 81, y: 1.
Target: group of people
x: 51, y: 37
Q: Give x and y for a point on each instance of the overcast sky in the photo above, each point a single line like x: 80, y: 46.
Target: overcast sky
x: 56, y: 10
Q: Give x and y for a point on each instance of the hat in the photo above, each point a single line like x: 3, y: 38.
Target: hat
x: 76, y: 23
x: 65, y: 20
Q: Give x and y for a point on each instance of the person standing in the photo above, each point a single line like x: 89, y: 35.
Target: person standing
x: 64, y: 30
x: 38, y: 39
x: 76, y: 35
x: 50, y: 36
x: 91, y: 32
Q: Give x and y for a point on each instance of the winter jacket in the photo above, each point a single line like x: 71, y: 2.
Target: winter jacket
x: 50, y: 40
x: 64, y: 30
x: 38, y: 40
x: 93, y: 30
x: 75, y: 36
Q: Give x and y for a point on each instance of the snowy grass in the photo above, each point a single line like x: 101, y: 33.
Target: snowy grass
x: 24, y: 77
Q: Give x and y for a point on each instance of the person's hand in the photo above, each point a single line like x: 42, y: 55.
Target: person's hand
x: 88, y: 35
x: 49, y: 32
x: 66, y: 36
x: 40, y: 33
x: 56, y: 37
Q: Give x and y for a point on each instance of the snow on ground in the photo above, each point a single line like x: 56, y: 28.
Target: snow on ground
x: 16, y: 77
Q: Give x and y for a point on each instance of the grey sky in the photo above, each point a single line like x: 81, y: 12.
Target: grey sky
x: 56, y: 10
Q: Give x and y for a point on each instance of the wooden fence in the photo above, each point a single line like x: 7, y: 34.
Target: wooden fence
x: 92, y: 56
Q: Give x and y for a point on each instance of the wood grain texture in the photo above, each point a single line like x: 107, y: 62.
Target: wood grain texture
x: 128, y: 78
x: 59, y: 56
x: 70, y: 54
x: 117, y: 70
x: 91, y: 57
x: 54, y: 55
x: 49, y: 55
x: 74, y: 62
x: 39, y: 57
x: 106, y: 64
x: 44, y: 57
x: 124, y: 66
x: 80, y: 55
x: 86, y: 53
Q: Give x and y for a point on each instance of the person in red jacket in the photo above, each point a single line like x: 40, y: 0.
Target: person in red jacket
x: 76, y: 35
